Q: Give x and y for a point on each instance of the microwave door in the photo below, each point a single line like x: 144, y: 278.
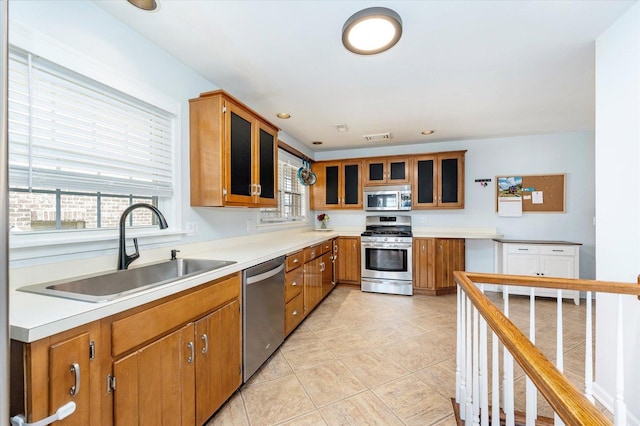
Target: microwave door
x: 382, y: 201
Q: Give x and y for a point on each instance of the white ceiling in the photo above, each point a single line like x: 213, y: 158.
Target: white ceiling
x: 467, y: 69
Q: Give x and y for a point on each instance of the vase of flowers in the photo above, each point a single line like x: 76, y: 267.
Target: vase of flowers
x: 323, y: 218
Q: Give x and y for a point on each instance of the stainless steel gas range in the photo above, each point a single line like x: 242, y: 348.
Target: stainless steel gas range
x: 387, y: 255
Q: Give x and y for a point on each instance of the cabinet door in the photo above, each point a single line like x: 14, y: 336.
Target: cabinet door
x: 450, y: 257
x: 325, y: 194
x: 351, y: 185
x: 155, y: 385
x: 348, y: 260
x: 218, y: 359
x: 69, y: 378
x: 312, y: 284
x: 524, y: 264
x: 398, y: 171
x: 451, y: 180
x: 557, y: 266
x: 375, y: 171
x: 240, y: 155
x: 327, y: 285
x: 424, y: 263
x: 424, y: 193
x: 267, y: 167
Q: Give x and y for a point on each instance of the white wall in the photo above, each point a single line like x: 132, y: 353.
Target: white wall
x: 570, y: 153
x: 92, y: 32
x: 618, y: 199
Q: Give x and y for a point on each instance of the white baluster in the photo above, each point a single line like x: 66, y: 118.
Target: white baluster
x: 484, y: 372
x: 620, y: 408
x: 458, y: 341
x: 531, y: 393
x: 559, y: 348
x: 468, y: 371
x: 463, y: 357
x: 476, y: 369
x: 507, y: 380
x: 495, y: 381
x: 588, y: 352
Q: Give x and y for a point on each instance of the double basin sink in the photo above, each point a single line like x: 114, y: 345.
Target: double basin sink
x: 113, y: 285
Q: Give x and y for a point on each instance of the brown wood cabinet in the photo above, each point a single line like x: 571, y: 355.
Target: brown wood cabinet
x: 293, y: 291
x: 434, y: 261
x: 387, y: 171
x: 338, y: 185
x: 182, y: 377
x: 438, y: 181
x: 53, y: 371
x: 347, y: 262
x: 234, y: 153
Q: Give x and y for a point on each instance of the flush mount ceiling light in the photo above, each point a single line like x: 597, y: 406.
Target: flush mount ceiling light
x: 372, y: 30
x: 144, y: 4
x: 428, y: 132
x: 283, y: 115
x: 317, y: 142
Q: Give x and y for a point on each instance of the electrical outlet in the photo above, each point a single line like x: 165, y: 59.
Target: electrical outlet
x: 422, y: 219
x: 192, y: 228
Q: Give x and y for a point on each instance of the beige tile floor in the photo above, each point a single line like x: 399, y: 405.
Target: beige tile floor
x: 375, y: 359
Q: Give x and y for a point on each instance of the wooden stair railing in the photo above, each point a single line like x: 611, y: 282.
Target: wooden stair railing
x: 566, y: 400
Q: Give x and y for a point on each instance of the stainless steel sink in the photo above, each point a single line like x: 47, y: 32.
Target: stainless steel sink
x: 112, y: 285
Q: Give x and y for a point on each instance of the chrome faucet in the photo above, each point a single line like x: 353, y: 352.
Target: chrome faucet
x: 124, y: 259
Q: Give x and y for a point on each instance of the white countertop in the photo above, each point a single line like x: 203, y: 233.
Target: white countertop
x: 33, y: 317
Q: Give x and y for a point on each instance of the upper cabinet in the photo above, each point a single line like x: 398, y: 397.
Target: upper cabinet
x: 338, y: 185
x: 387, y: 171
x: 234, y: 153
x: 438, y: 181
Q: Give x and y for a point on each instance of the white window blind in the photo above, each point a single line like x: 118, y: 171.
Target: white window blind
x: 68, y: 132
x: 291, y: 195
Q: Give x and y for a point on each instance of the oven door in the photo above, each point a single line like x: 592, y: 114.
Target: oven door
x: 382, y: 200
x: 387, y: 261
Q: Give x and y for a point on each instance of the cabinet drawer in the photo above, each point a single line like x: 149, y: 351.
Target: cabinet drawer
x: 327, y: 247
x: 312, y: 252
x: 294, y: 260
x: 293, y: 282
x: 523, y: 249
x: 293, y: 314
x: 134, y: 330
x: 558, y: 250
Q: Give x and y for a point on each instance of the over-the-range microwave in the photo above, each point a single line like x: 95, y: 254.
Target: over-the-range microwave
x: 385, y: 198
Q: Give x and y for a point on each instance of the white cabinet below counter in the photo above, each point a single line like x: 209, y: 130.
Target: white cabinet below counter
x: 558, y: 259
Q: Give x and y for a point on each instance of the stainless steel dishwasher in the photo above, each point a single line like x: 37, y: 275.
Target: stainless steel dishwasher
x: 262, y: 314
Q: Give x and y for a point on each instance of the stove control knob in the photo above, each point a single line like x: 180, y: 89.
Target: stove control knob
x: 385, y: 239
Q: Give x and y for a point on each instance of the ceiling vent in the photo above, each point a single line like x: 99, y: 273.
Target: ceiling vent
x: 377, y: 137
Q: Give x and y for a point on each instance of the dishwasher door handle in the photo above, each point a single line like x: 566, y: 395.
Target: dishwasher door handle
x: 264, y: 275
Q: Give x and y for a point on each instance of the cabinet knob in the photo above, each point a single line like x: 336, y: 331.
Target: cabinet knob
x: 294, y: 313
x: 293, y: 284
x: 295, y: 260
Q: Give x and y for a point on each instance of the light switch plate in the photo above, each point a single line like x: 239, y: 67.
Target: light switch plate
x: 192, y: 228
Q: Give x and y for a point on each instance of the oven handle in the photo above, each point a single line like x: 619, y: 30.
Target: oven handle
x: 387, y: 245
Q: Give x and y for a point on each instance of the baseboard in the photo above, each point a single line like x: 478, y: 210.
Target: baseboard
x: 607, y: 400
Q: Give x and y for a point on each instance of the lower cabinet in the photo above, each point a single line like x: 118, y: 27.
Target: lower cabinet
x: 182, y: 377
x: 347, y: 262
x: 434, y: 261
x: 51, y: 372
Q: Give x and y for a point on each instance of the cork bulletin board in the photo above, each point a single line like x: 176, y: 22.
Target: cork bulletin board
x: 550, y: 189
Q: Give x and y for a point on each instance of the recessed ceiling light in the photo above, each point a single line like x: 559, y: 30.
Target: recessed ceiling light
x: 317, y: 142
x: 372, y: 30
x: 283, y: 115
x: 144, y: 4
x: 428, y: 132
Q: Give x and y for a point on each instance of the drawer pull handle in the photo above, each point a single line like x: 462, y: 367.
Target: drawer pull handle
x: 294, y: 313
x: 190, y: 347
x: 295, y: 260
x: 558, y: 251
x: 293, y: 284
x: 75, y: 370
x: 523, y: 249
x: 205, y: 340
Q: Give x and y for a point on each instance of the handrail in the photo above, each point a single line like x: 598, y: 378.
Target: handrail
x: 556, y: 283
x: 566, y: 400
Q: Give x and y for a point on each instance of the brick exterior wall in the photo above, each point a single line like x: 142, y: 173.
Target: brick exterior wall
x: 36, y: 211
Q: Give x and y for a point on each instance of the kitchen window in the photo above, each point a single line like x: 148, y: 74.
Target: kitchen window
x: 80, y: 151
x: 292, y: 195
